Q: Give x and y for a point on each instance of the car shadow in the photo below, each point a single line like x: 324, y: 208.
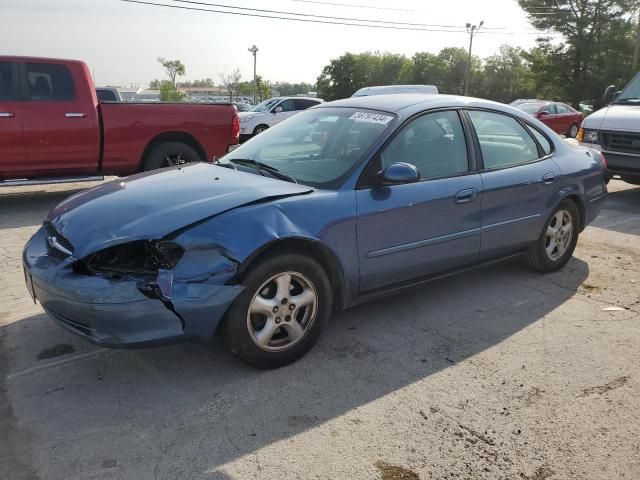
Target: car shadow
x: 621, y: 212
x: 184, y: 411
x: 28, y: 208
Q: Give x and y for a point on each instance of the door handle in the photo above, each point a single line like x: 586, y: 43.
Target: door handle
x: 75, y: 115
x: 465, y: 196
x: 6, y: 114
x: 549, y: 178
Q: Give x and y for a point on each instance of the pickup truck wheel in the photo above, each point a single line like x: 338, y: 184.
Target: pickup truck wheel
x: 169, y: 154
x: 281, y: 313
x: 259, y: 129
x: 558, y: 239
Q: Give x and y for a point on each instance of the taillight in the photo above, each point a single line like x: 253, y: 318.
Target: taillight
x: 603, y: 161
x: 235, y: 128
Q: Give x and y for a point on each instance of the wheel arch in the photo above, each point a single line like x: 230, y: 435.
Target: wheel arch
x: 173, y: 136
x: 320, y: 252
x: 577, y: 200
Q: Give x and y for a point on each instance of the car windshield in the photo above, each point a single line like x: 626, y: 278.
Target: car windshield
x: 529, y: 107
x: 317, y: 147
x: 264, y: 106
x: 631, y: 93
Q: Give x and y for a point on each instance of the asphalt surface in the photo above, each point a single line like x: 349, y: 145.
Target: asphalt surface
x: 501, y: 373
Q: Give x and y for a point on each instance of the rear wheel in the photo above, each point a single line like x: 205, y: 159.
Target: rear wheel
x: 573, y: 131
x: 169, y: 154
x: 281, y: 313
x: 558, y: 239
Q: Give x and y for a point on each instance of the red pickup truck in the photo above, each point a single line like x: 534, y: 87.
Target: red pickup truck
x: 53, y: 129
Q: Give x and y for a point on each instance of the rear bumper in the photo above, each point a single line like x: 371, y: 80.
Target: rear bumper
x: 117, y: 314
x: 626, y: 165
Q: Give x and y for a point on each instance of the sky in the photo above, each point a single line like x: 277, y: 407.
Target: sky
x: 121, y: 41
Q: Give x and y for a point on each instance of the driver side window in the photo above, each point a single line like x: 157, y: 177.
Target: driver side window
x: 434, y: 143
x: 287, y: 105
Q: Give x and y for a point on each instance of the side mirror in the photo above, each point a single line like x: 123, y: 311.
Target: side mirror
x: 277, y: 110
x: 609, y: 94
x: 399, y: 174
x: 542, y: 114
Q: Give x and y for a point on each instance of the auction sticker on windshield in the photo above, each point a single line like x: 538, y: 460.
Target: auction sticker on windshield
x: 371, y: 117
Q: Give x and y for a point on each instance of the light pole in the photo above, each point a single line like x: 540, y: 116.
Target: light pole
x: 254, y: 50
x: 472, y: 30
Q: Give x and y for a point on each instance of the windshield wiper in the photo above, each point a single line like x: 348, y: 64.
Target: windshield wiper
x: 263, y: 168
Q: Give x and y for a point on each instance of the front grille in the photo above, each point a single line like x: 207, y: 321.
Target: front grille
x: 623, y: 142
x: 52, y: 234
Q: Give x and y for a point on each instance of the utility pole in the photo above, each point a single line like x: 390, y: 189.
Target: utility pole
x: 472, y: 30
x: 636, y: 50
x: 254, y: 50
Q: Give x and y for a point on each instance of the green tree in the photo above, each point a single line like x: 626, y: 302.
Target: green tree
x: 506, y: 76
x: 173, y: 68
x: 169, y: 93
x: 591, y: 31
x: 263, y: 88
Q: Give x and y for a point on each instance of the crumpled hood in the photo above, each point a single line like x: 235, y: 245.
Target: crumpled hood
x: 151, y: 205
x: 615, y: 117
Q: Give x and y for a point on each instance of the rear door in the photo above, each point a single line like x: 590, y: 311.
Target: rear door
x: 414, y: 230
x: 13, y: 153
x: 60, y: 120
x: 519, y: 179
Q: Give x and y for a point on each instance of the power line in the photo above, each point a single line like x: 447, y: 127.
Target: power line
x: 310, y: 20
x: 311, y: 15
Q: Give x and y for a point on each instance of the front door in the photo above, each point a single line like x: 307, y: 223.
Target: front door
x: 60, y: 120
x: 410, y: 231
x: 13, y: 153
x: 519, y: 179
x: 282, y: 111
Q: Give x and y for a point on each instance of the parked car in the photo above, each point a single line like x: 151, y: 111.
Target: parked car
x: 561, y: 118
x: 517, y: 102
x: 108, y: 94
x: 394, y: 89
x: 52, y: 127
x: 385, y: 192
x: 615, y: 130
x: 271, y: 112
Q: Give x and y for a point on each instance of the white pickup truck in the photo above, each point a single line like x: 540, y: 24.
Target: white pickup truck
x: 615, y: 130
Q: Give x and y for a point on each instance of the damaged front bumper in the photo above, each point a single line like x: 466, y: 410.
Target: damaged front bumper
x: 116, y: 313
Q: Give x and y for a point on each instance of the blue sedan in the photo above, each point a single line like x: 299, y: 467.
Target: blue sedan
x: 342, y: 203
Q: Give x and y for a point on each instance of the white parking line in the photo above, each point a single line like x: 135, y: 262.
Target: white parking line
x: 58, y: 363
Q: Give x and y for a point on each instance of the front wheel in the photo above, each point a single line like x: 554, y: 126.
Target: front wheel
x: 281, y: 313
x: 259, y: 129
x: 558, y: 239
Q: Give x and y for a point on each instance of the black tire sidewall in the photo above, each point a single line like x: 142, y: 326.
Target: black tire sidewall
x: 156, y: 157
x: 234, y: 326
x: 538, y: 256
x: 259, y: 129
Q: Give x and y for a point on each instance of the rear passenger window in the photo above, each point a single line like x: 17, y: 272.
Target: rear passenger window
x: 303, y: 104
x: 542, y: 140
x: 7, y: 90
x: 49, y: 82
x: 503, y: 141
x: 434, y: 143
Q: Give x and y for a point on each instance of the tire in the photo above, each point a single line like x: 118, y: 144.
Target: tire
x: 539, y: 256
x: 573, y: 131
x: 164, y: 154
x: 259, y: 129
x: 270, y: 337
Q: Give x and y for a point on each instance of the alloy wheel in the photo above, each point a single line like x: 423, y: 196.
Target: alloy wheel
x: 282, y: 311
x: 559, y: 235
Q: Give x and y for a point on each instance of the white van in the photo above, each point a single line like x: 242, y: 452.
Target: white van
x: 615, y: 130
x: 391, y: 89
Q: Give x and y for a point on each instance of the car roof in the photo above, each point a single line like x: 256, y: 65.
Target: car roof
x: 395, y: 103
x: 297, y: 97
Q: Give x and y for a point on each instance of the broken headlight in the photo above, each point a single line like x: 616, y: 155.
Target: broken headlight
x: 141, y: 257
